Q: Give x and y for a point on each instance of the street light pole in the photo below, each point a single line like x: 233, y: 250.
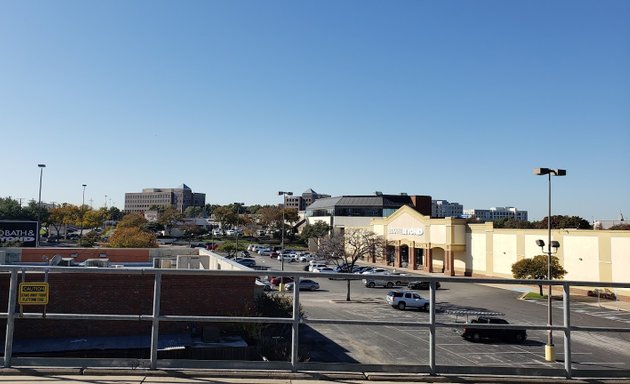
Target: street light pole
x: 549, y: 348
x: 82, y: 212
x: 238, y: 205
x: 39, y: 202
x: 284, y: 194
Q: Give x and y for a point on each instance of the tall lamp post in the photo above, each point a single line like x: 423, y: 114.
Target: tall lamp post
x: 238, y: 205
x: 39, y: 202
x: 549, y: 348
x: 283, y: 194
x: 82, y: 212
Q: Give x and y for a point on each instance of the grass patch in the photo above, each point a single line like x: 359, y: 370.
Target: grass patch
x: 533, y: 296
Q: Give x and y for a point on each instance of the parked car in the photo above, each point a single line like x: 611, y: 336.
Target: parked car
x: 287, y: 257
x: 246, y: 262
x: 305, y: 284
x: 375, y: 270
x: 406, y: 299
x: 324, y: 270
x: 315, y: 266
x: 281, y: 280
x: 344, y: 268
x: 264, y: 284
x: 603, y: 293
x: 477, y: 334
x: 305, y: 257
x: 360, y: 270
x: 421, y: 284
x: 373, y: 280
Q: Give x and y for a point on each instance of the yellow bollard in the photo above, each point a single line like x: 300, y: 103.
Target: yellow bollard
x: 549, y: 354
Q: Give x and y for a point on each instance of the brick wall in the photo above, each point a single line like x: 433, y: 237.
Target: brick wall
x: 131, y: 295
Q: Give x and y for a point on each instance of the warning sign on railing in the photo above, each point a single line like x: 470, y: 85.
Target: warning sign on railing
x: 33, y: 294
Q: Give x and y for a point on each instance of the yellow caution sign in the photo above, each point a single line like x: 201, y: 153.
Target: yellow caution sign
x: 33, y: 294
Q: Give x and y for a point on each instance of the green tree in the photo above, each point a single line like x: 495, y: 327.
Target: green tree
x: 133, y: 220
x: 89, y: 239
x: 270, y: 216
x: 194, y: 212
x: 224, y: 215
x: 115, y: 213
x: 315, y: 231
x: 132, y: 237
x: 620, y: 227
x: 64, y: 215
x: 229, y: 247
x: 92, y: 218
x: 10, y: 209
x: 510, y: 222
x: 562, y: 222
x: 536, y: 269
x: 169, y: 217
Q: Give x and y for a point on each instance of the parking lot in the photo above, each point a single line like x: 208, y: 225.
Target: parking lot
x: 395, y: 344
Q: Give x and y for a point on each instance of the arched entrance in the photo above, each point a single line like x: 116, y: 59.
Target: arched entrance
x: 438, y: 259
x: 403, y: 260
x: 418, y: 258
x: 390, y: 254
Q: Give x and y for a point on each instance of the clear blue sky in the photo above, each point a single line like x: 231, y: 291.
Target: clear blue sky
x: 459, y: 100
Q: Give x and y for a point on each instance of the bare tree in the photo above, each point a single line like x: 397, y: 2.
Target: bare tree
x: 345, y: 250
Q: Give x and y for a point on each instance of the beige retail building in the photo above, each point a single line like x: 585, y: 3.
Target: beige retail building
x: 455, y: 248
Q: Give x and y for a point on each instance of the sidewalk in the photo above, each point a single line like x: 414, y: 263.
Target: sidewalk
x: 76, y: 376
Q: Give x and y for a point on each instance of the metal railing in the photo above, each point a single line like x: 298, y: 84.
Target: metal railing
x: 294, y: 365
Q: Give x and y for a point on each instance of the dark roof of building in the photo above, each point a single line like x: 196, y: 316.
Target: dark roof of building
x: 383, y: 201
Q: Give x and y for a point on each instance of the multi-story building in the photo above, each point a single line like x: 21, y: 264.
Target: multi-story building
x: 355, y: 211
x: 496, y: 213
x: 178, y: 198
x: 301, y: 202
x: 442, y: 208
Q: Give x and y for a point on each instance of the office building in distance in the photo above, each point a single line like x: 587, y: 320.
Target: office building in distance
x: 301, y: 202
x: 442, y: 208
x: 496, y: 213
x: 178, y: 198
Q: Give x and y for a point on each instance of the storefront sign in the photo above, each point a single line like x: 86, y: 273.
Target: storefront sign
x: 406, y: 231
x: 23, y: 232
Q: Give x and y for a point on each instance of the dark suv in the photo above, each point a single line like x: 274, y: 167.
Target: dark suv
x: 478, y: 334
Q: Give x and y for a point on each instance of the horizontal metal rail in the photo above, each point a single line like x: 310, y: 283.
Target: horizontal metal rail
x: 153, y: 363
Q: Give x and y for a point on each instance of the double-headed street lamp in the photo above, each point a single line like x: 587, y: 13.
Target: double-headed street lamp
x: 238, y: 205
x: 284, y: 194
x: 549, y: 348
x: 39, y: 202
x: 82, y: 212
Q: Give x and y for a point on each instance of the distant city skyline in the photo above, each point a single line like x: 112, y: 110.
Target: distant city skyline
x: 240, y: 100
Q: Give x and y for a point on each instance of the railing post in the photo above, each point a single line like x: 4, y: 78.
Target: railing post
x: 432, y: 289
x: 8, y: 341
x: 566, y: 299
x: 155, y: 323
x: 295, y: 326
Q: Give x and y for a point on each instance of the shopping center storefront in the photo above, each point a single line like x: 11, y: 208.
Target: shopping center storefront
x: 419, y: 242
x: 455, y: 248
